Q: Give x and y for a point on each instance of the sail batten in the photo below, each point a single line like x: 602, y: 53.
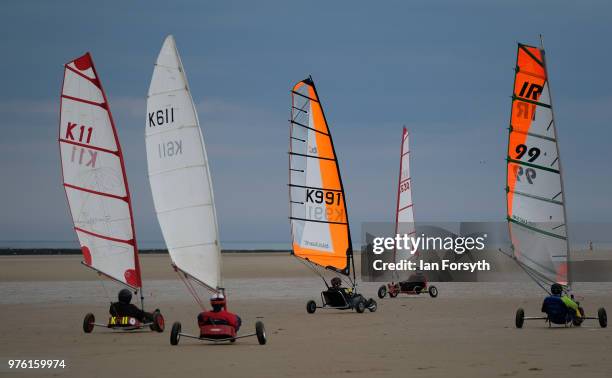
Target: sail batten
x: 536, y: 211
x: 94, y: 177
x: 179, y: 173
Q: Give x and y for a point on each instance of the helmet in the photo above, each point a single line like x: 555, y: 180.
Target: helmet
x: 217, y: 302
x: 125, y: 296
x: 336, y: 282
x: 556, y: 289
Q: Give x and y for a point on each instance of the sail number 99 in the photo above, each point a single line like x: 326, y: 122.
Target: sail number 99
x: 533, y: 152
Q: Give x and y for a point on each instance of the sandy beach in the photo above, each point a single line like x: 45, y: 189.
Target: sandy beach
x: 468, y: 331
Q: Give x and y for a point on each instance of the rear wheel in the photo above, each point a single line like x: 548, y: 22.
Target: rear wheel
x: 159, y: 322
x: 433, y: 291
x: 372, y: 305
x: 520, y: 318
x: 311, y: 307
x: 88, y: 323
x: 602, y: 317
x: 360, y: 306
x: 260, y: 331
x: 175, y: 333
x: 382, y: 291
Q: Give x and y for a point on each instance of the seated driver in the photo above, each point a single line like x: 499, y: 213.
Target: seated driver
x: 557, y: 295
x: 124, y: 308
x: 218, y: 314
x: 336, y: 285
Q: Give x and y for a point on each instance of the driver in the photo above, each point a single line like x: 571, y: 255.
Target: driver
x: 124, y: 308
x: 336, y: 285
x: 218, y: 314
x: 556, y: 291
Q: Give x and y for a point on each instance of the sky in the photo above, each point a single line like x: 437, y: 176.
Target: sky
x: 444, y: 69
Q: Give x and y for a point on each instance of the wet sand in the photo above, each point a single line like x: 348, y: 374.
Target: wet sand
x: 468, y: 331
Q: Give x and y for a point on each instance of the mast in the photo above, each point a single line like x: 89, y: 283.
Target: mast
x: 554, y: 125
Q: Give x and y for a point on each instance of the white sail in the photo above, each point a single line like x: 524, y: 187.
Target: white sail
x: 178, y: 172
x: 535, y: 198
x: 94, y: 176
x: 404, y: 222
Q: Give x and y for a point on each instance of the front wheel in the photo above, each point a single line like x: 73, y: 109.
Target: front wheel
x: 382, y: 291
x: 88, y: 323
x: 175, y: 333
x: 602, y: 317
x: 519, y: 318
x: 260, y: 330
x: 360, y: 306
x: 433, y: 291
x: 372, y: 305
x: 311, y: 307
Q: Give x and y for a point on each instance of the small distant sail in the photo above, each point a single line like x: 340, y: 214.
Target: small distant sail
x: 404, y: 218
x: 178, y: 172
x: 94, y: 176
x: 319, y: 221
x: 535, y: 196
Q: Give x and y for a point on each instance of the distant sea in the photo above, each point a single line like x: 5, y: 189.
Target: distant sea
x: 144, y: 244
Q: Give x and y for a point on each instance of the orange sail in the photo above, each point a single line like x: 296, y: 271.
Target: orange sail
x: 535, y: 196
x: 319, y: 222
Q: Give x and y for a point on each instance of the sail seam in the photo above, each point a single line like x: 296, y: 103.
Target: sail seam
x: 89, y: 146
x: 184, y: 207
x: 536, y: 229
x: 537, y: 197
x: 307, y: 127
x: 516, y: 98
x: 104, y: 194
x: 534, y: 135
x: 318, y: 221
x: 129, y: 242
x: 312, y: 187
x: 151, y: 174
x: 312, y: 156
x: 532, y: 165
x: 307, y: 97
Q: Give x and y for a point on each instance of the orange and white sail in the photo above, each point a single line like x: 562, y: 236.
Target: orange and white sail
x: 404, y: 216
x: 179, y: 173
x: 94, y: 176
x: 319, y: 221
x: 535, y: 197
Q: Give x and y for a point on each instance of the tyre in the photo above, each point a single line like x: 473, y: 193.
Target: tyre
x: 602, y: 317
x: 311, y: 307
x: 175, y: 333
x: 360, y: 306
x: 520, y: 318
x: 382, y: 291
x: 372, y: 305
x: 260, y: 331
x: 88, y: 323
x: 433, y: 291
x: 159, y: 322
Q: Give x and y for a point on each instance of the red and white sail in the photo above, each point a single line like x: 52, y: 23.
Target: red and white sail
x: 94, y: 176
x: 404, y: 216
